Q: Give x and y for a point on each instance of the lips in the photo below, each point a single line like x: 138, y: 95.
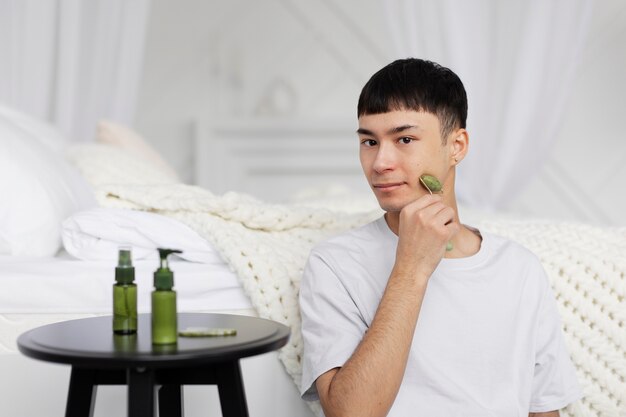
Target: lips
x: 387, y: 186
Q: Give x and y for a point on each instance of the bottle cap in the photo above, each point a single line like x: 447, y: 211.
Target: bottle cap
x: 125, y: 271
x: 163, y: 276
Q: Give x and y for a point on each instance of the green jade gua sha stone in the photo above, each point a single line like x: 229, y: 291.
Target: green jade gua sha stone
x: 207, y: 332
x: 432, y: 184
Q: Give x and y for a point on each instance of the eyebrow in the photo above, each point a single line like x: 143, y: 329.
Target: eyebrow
x: 393, y: 130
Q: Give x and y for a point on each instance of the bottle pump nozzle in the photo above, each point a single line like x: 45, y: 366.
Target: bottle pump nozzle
x: 163, y: 276
x: 125, y: 271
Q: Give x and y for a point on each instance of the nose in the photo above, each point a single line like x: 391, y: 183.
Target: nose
x: 385, y: 159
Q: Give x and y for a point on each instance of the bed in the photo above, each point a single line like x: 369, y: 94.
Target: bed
x: 53, y: 209
x: 242, y: 254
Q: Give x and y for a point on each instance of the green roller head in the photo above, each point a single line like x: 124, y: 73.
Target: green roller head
x: 431, y: 183
x: 164, y: 277
x: 125, y: 271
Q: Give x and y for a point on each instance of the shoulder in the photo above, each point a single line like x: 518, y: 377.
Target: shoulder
x: 511, y: 249
x: 344, y: 256
x: 357, y: 240
x: 518, y: 260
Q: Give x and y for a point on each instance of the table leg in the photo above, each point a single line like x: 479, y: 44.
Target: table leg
x: 171, y: 401
x: 140, y: 392
x: 81, y: 395
x: 230, y: 388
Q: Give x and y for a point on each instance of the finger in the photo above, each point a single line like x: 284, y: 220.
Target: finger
x: 437, y: 212
x: 425, y: 201
x: 453, y: 228
x: 445, y: 216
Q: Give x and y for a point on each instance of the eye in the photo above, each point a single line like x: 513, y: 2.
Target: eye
x: 406, y: 140
x: 368, y: 142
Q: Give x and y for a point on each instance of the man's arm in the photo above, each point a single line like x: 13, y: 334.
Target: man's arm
x: 547, y: 414
x: 367, y: 384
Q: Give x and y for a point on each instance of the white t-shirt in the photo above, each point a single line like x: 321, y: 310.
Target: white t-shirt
x: 488, y: 339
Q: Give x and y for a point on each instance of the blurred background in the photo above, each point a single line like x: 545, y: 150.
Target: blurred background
x: 545, y: 82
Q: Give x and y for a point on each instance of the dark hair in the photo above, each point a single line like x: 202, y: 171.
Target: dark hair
x: 416, y: 84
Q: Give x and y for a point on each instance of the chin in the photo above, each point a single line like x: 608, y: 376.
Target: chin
x: 390, y: 206
x: 391, y: 209
x: 395, y: 204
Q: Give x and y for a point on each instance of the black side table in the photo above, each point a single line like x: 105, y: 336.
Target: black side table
x: 98, y: 357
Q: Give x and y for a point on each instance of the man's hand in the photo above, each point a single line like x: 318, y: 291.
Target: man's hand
x: 425, y: 227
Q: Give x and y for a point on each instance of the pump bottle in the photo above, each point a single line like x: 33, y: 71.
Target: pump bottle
x: 164, y: 319
x: 124, y: 295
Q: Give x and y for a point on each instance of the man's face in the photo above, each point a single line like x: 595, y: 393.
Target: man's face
x: 395, y: 149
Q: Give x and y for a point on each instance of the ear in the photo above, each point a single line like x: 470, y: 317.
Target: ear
x: 458, y: 145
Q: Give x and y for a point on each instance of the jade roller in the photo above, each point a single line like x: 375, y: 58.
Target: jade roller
x: 432, y: 184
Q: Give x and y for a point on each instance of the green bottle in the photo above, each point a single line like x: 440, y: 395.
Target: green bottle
x: 124, y: 295
x: 164, y: 319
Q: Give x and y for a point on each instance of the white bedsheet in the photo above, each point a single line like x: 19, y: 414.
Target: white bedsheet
x: 63, y: 284
x: 39, y: 291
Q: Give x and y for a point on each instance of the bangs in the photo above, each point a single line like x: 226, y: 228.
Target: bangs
x: 416, y: 85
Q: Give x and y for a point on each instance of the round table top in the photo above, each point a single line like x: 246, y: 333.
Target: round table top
x: 91, y: 342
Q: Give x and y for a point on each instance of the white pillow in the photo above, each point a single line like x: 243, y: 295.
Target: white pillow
x: 38, y: 130
x: 111, y: 133
x: 105, y: 164
x: 98, y: 233
x: 38, y: 187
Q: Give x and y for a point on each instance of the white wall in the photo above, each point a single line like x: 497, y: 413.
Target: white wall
x: 280, y: 59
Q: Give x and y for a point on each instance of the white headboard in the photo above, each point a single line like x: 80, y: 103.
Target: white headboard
x: 273, y: 160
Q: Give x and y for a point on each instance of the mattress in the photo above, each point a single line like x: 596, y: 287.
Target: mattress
x: 37, y: 291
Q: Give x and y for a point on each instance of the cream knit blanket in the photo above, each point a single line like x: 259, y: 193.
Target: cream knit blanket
x: 267, y: 246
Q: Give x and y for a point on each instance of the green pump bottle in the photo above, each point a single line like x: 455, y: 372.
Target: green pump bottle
x: 124, y: 295
x: 164, y: 319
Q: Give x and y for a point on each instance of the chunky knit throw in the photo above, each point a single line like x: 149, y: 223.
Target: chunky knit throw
x: 267, y: 246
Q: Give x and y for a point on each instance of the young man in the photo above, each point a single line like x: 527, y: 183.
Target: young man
x: 393, y: 323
